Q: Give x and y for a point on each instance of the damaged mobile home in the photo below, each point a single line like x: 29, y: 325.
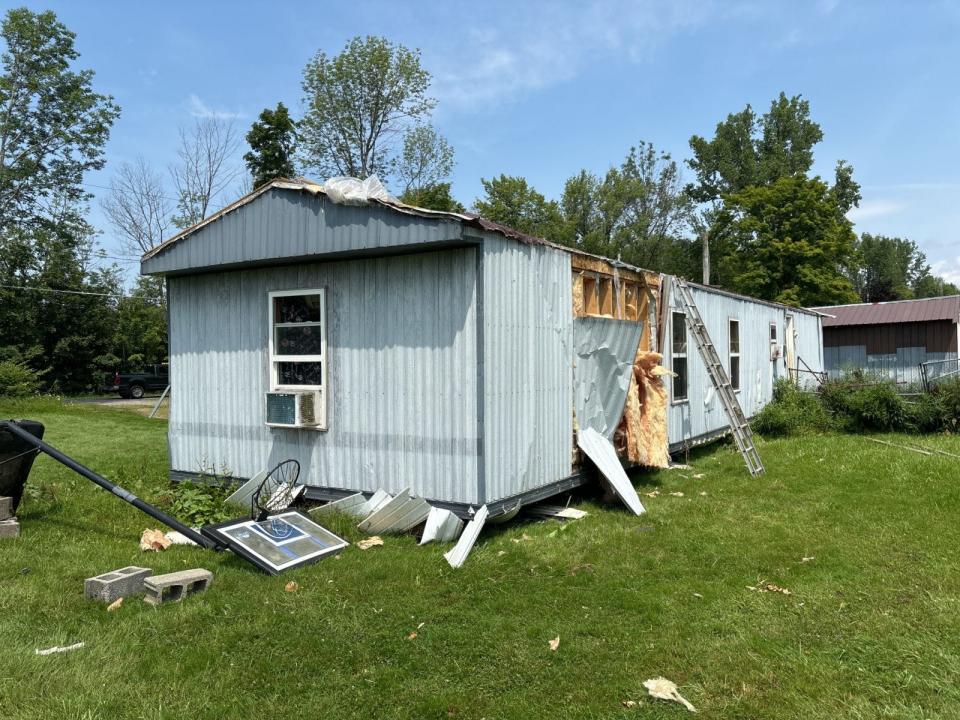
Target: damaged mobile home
x: 387, y: 347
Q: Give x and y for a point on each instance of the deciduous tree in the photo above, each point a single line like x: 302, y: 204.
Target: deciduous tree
x: 272, y: 139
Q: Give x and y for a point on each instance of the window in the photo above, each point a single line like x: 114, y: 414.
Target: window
x: 773, y: 332
x: 679, y: 354
x: 735, y: 354
x: 298, y: 341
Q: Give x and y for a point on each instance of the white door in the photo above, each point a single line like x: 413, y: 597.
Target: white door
x: 790, y: 349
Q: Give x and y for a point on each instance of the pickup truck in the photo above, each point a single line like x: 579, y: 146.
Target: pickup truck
x: 134, y: 385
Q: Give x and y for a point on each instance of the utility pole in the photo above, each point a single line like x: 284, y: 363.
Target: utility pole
x: 705, y: 238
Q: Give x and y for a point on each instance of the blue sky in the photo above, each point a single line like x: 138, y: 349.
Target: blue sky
x: 544, y: 89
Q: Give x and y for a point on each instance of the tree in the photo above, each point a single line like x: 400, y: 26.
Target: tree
x: 272, y: 139
x: 358, y: 104
x: 747, y: 150
x: 934, y: 286
x: 785, y: 242
x: 426, y: 160
x: 511, y: 201
x: 202, y: 171
x: 638, y: 212
x: 888, y: 268
x: 53, y: 126
x: 141, y: 323
x: 137, y: 206
x: 433, y: 197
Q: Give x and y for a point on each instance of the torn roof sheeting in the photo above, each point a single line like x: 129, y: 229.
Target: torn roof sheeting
x: 605, y: 350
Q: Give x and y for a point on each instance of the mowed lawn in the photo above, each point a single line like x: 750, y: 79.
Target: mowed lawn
x: 871, y: 628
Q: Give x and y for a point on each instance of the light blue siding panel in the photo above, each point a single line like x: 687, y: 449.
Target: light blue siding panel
x: 402, y: 348
x: 527, y: 366
x: 288, y: 224
x: 702, y: 414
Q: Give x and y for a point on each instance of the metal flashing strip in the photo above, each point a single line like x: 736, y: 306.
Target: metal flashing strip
x: 442, y: 526
x: 604, y: 456
x: 458, y: 555
x: 241, y: 496
x: 349, y: 505
x: 398, y: 515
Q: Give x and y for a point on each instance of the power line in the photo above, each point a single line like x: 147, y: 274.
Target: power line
x: 63, y: 292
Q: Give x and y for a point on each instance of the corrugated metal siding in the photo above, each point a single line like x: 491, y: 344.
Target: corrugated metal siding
x: 702, y: 414
x: 402, y: 342
x: 901, y: 366
x: 286, y: 224
x: 527, y: 366
x: 935, y: 336
x: 899, y: 311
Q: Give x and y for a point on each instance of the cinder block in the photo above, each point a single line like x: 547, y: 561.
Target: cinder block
x: 9, y: 528
x: 116, y: 584
x: 174, y: 587
x: 6, y: 508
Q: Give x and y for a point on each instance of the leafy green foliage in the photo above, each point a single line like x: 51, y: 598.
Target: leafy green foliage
x: 272, y: 140
x: 17, y: 377
x: 356, y: 102
x: 196, y: 504
x: 513, y: 202
x: 888, y: 268
x: 793, y: 411
x: 433, y: 197
x: 785, y: 242
x: 426, y: 160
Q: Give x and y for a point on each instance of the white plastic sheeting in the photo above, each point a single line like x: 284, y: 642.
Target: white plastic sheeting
x: 352, y: 191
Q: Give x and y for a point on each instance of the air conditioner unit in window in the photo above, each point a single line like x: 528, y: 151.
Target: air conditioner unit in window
x: 775, y: 351
x: 294, y: 409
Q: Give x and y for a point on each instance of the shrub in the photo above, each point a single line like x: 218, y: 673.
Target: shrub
x: 18, y: 379
x: 196, y: 504
x: 793, y: 411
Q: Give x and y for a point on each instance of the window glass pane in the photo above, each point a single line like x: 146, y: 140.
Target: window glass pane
x: 735, y: 372
x: 680, y: 380
x: 296, y: 309
x: 303, y: 340
x: 679, y: 333
x: 773, y: 331
x: 299, y: 373
x: 734, y: 336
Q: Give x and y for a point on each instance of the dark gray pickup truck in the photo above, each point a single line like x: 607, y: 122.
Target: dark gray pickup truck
x: 134, y: 385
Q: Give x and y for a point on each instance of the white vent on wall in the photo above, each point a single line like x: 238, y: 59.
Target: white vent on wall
x: 775, y: 351
x: 294, y: 409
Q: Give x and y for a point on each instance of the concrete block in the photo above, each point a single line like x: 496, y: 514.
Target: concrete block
x: 174, y: 587
x: 9, y: 528
x: 6, y: 508
x: 116, y: 584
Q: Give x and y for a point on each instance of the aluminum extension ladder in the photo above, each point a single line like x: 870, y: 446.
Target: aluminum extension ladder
x: 721, y: 381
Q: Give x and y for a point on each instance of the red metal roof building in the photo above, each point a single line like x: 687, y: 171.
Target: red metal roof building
x: 892, y: 338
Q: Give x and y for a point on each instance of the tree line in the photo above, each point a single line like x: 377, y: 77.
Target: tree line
x: 770, y: 228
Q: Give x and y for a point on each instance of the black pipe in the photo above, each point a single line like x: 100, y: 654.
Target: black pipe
x: 89, y: 474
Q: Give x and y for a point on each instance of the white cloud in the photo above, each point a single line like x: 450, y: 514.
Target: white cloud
x: 874, y: 208
x: 534, y: 46
x: 947, y: 269
x: 200, y: 109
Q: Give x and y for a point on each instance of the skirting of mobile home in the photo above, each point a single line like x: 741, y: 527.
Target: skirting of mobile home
x: 384, y: 347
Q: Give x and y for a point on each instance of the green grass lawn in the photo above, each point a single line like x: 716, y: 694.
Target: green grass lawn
x: 871, y: 629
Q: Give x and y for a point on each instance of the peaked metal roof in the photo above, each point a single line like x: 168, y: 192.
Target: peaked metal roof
x: 897, y: 311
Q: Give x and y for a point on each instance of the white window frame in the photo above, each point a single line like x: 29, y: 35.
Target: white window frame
x: 275, y: 359
x: 731, y: 354
x: 685, y: 355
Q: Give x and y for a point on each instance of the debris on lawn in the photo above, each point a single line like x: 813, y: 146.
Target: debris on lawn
x: 664, y: 689
x: 555, y: 643
x: 703, y: 493
x: 765, y: 586
x: 698, y: 595
x: 178, y: 538
x: 291, y: 587
x: 370, y: 542
x: 175, y: 586
x: 628, y: 703
x: 441, y: 526
x: 698, y: 476
x: 458, y: 555
x: 555, y: 511
x: 652, y: 493
x: 521, y: 539
x: 115, y: 584
x: 412, y: 636
x: 349, y: 505
x: 397, y: 515
x: 601, y: 451
x: 677, y: 494
x: 58, y: 649
x: 808, y: 559
x: 115, y: 604
x: 154, y: 540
